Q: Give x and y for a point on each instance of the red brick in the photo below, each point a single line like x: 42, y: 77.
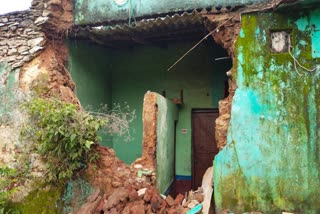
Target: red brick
x: 173, y: 210
x: 155, y: 203
x: 147, y: 196
x: 179, y: 199
x: 133, y: 195
x: 163, y: 204
x: 170, y: 201
x: 137, y: 209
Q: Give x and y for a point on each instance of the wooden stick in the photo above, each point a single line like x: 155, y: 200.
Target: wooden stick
x: 196, y: 45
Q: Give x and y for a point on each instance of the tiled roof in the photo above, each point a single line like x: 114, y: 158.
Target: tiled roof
x: 153, y: 29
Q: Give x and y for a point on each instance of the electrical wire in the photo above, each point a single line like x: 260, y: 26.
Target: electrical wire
x: 196, y: 45
x: 295, y: 62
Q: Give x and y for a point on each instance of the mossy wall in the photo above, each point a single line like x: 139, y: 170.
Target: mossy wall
x: 271, y: 160
x: 47, y: 201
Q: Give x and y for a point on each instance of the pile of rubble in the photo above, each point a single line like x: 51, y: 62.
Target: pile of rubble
x: 125, y: 189
x: 110, y: 173
x: 146, y: 200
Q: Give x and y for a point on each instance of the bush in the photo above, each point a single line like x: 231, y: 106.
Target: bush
x: 62, y: 134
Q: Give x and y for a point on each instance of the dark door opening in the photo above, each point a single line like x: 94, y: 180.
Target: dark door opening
x: 204, y: 147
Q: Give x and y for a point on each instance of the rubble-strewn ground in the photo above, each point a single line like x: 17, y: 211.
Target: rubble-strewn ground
x: 129, y: 200
x: 122, y: 188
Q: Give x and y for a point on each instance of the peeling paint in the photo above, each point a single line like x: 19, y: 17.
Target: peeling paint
x: 270, y: 163
x: 93, y: 11
x: 302, y: 23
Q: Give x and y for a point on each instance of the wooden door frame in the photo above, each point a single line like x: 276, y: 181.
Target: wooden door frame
x: 197, y: 110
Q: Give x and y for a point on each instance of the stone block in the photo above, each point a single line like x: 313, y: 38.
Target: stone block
x: 22, y: 49
x: 12, y: 51
x: 8, y: 59
x: 35, y: 49
x: 16, y: 42
x: 36, y: 42
x: 4, y: 20
x: 40, y: 20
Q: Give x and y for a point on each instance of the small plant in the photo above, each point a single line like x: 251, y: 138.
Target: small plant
x: 62, y: 134
x: 7, y: 179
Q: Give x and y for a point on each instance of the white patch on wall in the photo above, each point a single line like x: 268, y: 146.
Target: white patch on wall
x: 120, y: 2
x: 280, y: 41
x: 8, y: 6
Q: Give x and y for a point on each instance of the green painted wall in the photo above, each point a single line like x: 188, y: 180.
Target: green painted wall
x: 93, y: 80
x: 136, y: 70
x: 97, y: 11
x: 271, y: 161
x: 4, y: 92
x: 167, y: 115
x: 8, y: 89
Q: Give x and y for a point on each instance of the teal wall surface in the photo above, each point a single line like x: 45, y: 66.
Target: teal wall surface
x: 167, y: 115
x: 271, y: 161
x: 8, y: 89
x: 93, y: 80
x: 136, y: 70
x: 97, y: 11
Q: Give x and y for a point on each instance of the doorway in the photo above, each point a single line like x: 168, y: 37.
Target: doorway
x: 204, y: 147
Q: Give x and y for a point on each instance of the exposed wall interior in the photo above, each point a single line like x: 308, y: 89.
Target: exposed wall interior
x: 159, y: 119
x: 126, y: 73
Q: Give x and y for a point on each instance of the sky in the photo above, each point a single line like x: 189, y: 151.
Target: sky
x: 7, y: 6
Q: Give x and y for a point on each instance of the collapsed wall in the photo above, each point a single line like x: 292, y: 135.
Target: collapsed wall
x: 21, y: 40
x: 33, y: 51
x: 30, y: 59
x: 32, y: 46
x: 225, y: 29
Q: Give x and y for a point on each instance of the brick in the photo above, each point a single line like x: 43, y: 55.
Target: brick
x: 170, y: 201
x: 179, y: 199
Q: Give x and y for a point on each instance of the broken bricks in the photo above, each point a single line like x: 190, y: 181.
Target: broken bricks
x: 128, y: 201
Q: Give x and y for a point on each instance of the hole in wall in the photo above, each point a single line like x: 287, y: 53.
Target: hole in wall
x: 118, y: 70
x: 280, y: 41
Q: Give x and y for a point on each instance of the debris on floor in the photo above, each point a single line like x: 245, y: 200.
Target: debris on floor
x: 147, y: 200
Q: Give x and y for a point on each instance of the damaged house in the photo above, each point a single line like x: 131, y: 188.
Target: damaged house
x: 231, y: 85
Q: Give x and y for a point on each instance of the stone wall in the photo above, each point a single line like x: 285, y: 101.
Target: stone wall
x: 21, y: 38
x: 23, y: 34
x: 32, y: 51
